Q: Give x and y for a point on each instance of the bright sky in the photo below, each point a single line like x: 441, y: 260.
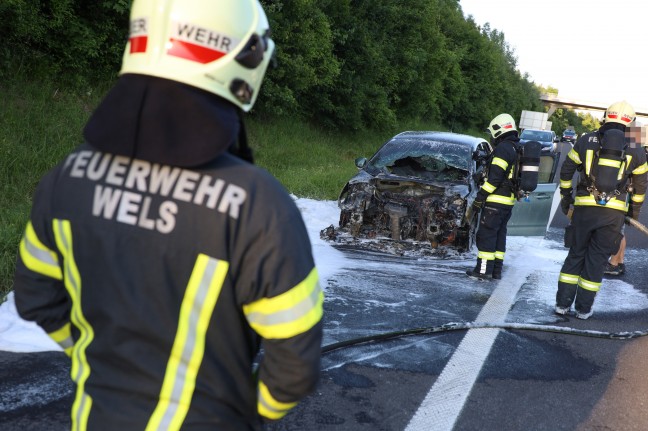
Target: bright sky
x: 590, y: 50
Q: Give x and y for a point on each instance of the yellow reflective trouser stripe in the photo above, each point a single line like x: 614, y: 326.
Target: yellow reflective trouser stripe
x: 500, y: 162
x: 589, y: 285
x: 613, y: 203
x: 568, y: 278
x: 37, y: 257
x: 268, y: 406
x: 641, y: 169
x: 609, y: 162
x: 80, y: 368
x: 291, y: 313
x: 573, y: 154
x: 188, y: 349
x: 499, y: 199
x: 499, y: 255
x: 486, y: 255
x: 63, y: 338
x: 488, y: 187
x: 565, y: 184
x: 638, y: 198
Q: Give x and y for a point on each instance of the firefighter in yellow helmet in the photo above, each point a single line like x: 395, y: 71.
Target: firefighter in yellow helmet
x: 495, y: 199
x: 159, y: 261
x: 606, y: 165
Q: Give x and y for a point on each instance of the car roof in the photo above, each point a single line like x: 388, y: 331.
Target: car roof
x: 455, y: 138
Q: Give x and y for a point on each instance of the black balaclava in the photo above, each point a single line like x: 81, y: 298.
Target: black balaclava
x: 163, y: 121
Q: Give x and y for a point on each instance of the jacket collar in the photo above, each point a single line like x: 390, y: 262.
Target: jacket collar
x: 162, y: 121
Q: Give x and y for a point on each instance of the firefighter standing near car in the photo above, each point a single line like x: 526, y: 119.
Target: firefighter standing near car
x: 160, y: 262
x: 606, y: 164
x: 496, y: 198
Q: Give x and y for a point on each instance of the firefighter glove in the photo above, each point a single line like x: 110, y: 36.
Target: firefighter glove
x: 477, y: 205
x: 566, y: 202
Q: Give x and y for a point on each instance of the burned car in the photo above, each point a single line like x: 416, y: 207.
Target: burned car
x: 418, y: 188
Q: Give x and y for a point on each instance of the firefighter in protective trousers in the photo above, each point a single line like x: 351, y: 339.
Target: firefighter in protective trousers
x: 605, y: 162
x: 495, y: 199
x: 178, y: 277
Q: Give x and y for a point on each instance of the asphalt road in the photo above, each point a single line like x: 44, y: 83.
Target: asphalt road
x: 468, y: 379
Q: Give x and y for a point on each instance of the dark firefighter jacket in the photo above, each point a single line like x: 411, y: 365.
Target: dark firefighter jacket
x: 499, y: 189
x: 582, y: 158
x: 163, y: 282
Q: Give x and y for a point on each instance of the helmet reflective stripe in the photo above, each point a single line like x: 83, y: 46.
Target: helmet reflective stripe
x: 501, y: 124
x: 221, y: 46
x: 620, y: 112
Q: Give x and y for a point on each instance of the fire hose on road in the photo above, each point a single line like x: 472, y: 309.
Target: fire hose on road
x: 457, y: 326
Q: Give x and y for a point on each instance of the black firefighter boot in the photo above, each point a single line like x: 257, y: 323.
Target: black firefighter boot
x: 498, y: 265
x: 483, y: 270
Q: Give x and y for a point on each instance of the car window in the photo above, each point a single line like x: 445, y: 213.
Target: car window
x: 536, y: 135
x: 545, y: 169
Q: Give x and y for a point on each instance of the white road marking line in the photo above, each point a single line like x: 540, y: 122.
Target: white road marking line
x: 442, y: 406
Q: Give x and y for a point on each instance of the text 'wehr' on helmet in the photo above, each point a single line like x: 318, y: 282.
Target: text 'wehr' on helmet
x: 620, y: 112
x: 501, y: 124
x: 221, y: 46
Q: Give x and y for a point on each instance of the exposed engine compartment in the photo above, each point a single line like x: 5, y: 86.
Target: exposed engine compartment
x: 405, y: 210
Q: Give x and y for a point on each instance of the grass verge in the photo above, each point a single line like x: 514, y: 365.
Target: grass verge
x: 41, y: 123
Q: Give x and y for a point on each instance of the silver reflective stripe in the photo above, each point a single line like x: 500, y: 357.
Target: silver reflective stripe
x: 530, y: 168
x: 40, y: 254
x: 298, y: 310
x: 189, y: 346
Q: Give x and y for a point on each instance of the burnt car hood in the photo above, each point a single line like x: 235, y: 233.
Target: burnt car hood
x: 386, y: 181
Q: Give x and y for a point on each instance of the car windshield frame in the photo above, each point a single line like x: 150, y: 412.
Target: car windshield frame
x: 427, y: 159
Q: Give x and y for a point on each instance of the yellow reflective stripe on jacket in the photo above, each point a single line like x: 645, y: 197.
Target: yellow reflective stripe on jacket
x: 613, y: 203
x: 609, y: 162
x: 80, y: 368
x: 500, y: 162
x: 499, y: 255
x: 573, y: 154
x: 268, y: 406
x: 499, y: 199
x: 638, y: 198
x: 589, y: 285
x: 289, y: 314
x: 63, y: 338
x: 641, y: 169
x: 486, y: 255
x: 568, y: 278
x: 188, y: 349
x: 488, y: 187
x: 565, y: 184
x: 589, y: 157
x: 37, y: 257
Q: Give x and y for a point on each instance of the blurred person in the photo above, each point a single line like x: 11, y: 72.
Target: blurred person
x: 495, y: 199
x: 602, y: 158
x: 178, y: 277
x: 635, y: 135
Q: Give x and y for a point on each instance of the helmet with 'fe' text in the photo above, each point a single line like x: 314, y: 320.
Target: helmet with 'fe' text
x: 501, y: 124
x: 620, y: 112
x: 221, y: 46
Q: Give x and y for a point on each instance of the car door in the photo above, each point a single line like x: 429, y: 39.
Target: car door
x: 532, y: 216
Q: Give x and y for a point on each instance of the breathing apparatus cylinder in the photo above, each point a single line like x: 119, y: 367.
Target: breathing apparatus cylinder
x: 608, y: 171
x: 529, y: 168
